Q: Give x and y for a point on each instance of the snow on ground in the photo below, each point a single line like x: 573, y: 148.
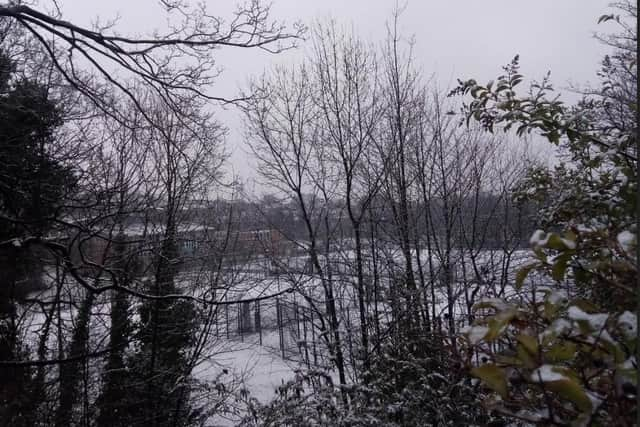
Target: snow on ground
x: 266, y: 370
x: 240, y: 359
x: 260, y: 371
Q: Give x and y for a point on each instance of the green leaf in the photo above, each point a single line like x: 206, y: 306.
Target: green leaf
x: 580, y: 275
x: 614, y: 349
x: 550, y: 310
x: 495, y: 329
x: 493, y: 377
x: 504, y: 359
x: 530, y: 343
x: 526, y: 358
x: 560, y: 266
x: 561, y: 352
x: 555, y: 242
x: 572, y: 135
x: 522, y: 274
x: 553, y: 137
x: 571, y: 236
x: 539, y: 253
x: 572, y: 391
x: 585, y: 305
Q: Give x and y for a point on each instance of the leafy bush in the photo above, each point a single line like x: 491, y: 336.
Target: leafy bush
x: 551, y: 358
x: 564, y: 353
x: 409, y: 385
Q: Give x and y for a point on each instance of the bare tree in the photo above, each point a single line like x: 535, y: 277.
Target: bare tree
x: 283, y: 131
x: 345, y: 72
x: 404, y: 96
x: 179, y: 61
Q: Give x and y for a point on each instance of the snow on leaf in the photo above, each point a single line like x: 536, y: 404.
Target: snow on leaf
x: 496, y: 303
x: 627, y: 241
x: 596, y: 321
x: 493, y: 377
x: 557, y: 297
x: 605, y: 336
x: 563, y: 385
x: 628, y: 323
x: 595, y: 399
x: 558, y: 327
x: 570, y: 244
x: 546, y: 373
x: 475, y: 334
x: 630, y: 363
x: 534, y: 416
x: 572, y: 391
x: 539, y: 238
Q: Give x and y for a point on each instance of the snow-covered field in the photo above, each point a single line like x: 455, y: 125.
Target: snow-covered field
x: 255, y: 358
x: 254, y: 368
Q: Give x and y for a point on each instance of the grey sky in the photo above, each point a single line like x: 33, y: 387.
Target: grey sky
x: 454, y: 38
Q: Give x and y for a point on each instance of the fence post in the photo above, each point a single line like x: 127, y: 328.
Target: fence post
x: 226, y: 318
x: 306, y: 343
x: 297, y: 317
x: 279, y: 319
x: 258, y: 321
x: 215, y: 315
x: 313, y: 338
x: 240, y: 322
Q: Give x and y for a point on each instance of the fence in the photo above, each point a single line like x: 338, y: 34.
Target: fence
x: 282, y: 324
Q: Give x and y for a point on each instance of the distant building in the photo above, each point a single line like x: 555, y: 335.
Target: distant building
x: 196, y: 245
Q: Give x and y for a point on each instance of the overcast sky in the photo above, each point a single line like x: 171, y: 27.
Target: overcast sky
x: 454, y: 38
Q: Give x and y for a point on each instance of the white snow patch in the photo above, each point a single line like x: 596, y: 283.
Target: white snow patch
x: 558, y: 327
x: 595, y: 399
x: 630, y: 363
x: 545, y: 374
x: 531, y: 415
x: 605, y: 336
x: 557, y: 297
x: 570, y: 244
x: 498, y: 303
x: 627, y: 241
x: 259, y: 370
x: 583, y: 228
x: 539, y: 238
x: 475, y: 333
x: 596, y: 321
x: 629, y: 324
